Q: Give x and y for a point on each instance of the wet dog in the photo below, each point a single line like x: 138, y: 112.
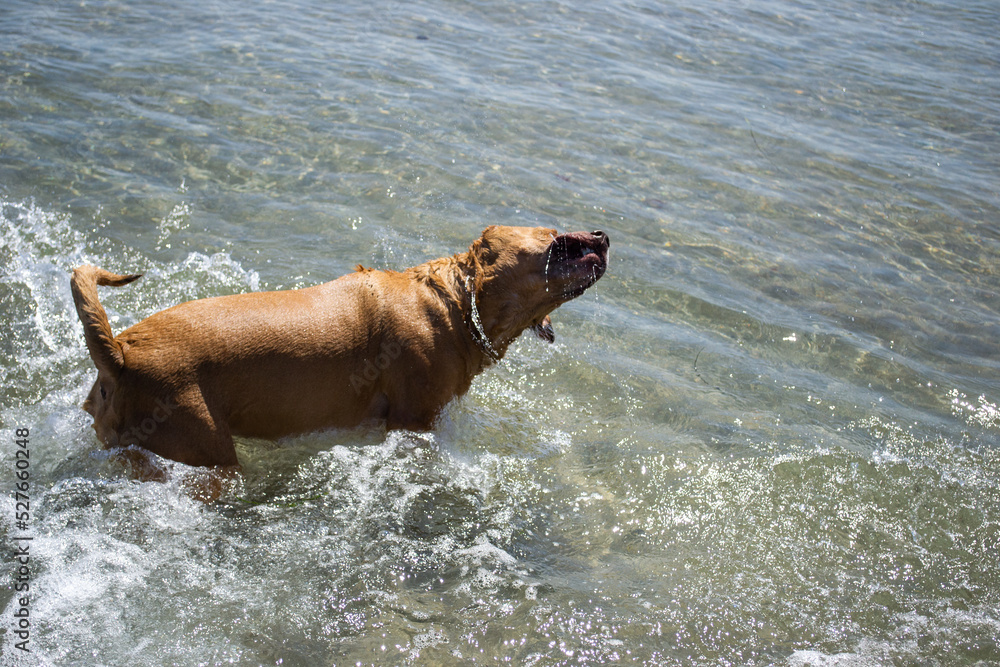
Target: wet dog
x: 371, y: 345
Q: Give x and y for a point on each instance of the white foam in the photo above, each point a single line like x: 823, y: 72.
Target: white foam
x: 817, y: 659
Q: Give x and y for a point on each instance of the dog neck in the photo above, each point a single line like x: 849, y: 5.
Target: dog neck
x: 458, y: 280
x: 475, y: 323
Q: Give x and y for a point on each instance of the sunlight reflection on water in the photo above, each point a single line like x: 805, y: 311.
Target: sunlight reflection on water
x: 767, y: 436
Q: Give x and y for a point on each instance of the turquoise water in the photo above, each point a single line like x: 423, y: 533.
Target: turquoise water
x: 769, y: 435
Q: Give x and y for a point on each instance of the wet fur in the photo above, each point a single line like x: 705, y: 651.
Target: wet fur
x: 371, y: 345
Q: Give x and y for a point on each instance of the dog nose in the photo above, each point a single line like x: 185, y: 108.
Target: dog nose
x: 602, y: 237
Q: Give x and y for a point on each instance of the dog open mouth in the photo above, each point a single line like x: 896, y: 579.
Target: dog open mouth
x: 578, y: 259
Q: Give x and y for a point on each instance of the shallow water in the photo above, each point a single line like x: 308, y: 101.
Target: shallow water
x: 769, y: 435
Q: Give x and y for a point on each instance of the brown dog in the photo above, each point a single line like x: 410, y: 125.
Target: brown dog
x: 372, y: 345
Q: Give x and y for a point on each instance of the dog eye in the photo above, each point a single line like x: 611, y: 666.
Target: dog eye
x: 104, y: 394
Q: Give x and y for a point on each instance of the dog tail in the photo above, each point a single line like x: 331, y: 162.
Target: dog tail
x: 104, y: 349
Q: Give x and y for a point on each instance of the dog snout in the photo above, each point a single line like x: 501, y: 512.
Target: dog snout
x: 600, y: 241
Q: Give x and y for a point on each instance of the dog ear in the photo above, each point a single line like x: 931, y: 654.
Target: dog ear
x: 543, y: 329
x: 485, y: 248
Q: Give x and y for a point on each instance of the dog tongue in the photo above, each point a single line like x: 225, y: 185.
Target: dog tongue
x: 544, y: 330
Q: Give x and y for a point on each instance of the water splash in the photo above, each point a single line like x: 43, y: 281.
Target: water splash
x: 175, y: 221
x: 389, y: 518
x: 982, y: 413
x: 548, y: 261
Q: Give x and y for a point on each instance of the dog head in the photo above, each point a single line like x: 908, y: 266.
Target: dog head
x: 105, y: 405
x: 524, y: 273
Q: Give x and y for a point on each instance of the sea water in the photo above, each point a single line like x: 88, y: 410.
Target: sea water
x: 769, y: 435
